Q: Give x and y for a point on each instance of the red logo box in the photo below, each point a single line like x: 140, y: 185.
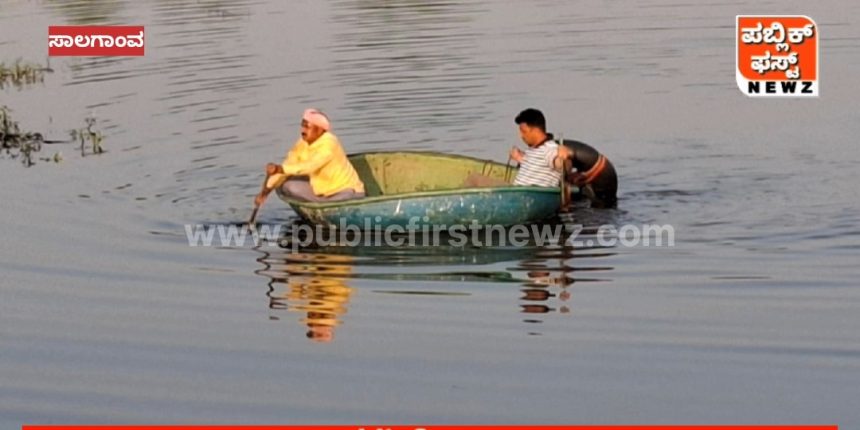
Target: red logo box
x: 95, y: 41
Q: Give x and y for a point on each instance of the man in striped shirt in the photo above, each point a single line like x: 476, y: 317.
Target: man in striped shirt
x: 542, y: 163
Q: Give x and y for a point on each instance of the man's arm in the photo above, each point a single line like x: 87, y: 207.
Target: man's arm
x: 274, y: 176
x: 293, y: 154
x: 562, y: 155
x: 273, y: 169
x: 320, y: 157
x: 516, y: 155
x: 279, y: 174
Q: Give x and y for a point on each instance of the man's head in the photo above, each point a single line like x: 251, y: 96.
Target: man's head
x: 314, y: 124
x: 532, y: 126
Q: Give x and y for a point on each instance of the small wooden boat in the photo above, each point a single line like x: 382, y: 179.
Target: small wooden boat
x: 414, y: 189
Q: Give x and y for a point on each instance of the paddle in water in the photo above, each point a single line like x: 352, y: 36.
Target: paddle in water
x: 257, y: 203
x: 261, y: 198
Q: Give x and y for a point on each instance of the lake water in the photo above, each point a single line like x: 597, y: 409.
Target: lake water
x: 107, y: 315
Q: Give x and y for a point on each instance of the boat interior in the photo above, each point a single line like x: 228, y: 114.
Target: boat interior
x: 389, y: 173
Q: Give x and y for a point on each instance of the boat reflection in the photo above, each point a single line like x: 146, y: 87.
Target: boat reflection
x: 313, y: 285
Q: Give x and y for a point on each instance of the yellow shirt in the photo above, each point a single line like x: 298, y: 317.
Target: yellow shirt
x: 324, y: 162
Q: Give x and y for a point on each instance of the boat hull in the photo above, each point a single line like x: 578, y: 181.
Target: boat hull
x: 417, y: 189
x: 485, y: 207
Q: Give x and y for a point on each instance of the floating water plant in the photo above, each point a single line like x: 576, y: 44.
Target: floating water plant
x: 95, y: 138
x: 20, y: 74
x: 15, y: 142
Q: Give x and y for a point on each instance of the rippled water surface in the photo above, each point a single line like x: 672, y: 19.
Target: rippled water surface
x: 107, y: 315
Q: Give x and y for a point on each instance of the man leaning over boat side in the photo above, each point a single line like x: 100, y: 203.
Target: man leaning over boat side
x: 542, y: 164
x: 316, y: 169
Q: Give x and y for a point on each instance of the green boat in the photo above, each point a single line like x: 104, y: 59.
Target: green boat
x: 414, y: 189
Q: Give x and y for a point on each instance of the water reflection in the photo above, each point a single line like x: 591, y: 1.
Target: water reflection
x: 550, y: 277
x: 313, y: 285
x: 317, y: 282
x: 546, y: 290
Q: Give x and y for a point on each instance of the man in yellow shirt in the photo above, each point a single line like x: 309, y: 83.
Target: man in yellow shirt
x: 316, y: 168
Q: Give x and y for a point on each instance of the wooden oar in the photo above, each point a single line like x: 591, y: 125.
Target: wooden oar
x: 565, y: 186
x: 264, y: 191
x: 251, y: 222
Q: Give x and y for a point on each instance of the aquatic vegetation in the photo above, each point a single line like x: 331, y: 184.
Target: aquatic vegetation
x: 16, y: 143
x: 88, y: 134
x: 12, y: 138
x: 21, y: 74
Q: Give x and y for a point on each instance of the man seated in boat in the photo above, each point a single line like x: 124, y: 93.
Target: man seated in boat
x: 316, y: 168
x: 542, y: 163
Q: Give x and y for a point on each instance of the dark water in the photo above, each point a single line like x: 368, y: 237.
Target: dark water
x: 107, y: 315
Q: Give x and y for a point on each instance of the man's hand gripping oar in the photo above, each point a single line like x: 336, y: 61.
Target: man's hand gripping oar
x: 271, y: 170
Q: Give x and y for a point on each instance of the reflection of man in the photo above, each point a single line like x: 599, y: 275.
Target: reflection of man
x: 319, y: 330
x: 316, y: 285
x: 537, y: 291
x: 324, y: 301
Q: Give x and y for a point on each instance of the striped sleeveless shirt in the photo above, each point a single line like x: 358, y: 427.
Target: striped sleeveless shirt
x: 536, y: 168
